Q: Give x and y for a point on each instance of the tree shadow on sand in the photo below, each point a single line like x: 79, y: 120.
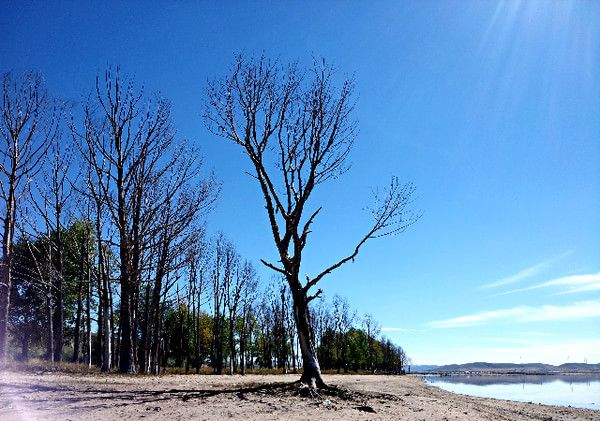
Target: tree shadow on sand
x: 44, y: 397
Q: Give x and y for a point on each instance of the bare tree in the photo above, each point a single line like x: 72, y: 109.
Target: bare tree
x: 105, y: 320
x: 372, y: 330
x: 51, y: 200
x: 197, y: 259
x: 235, y: 287
x: 148, y: 187
x: 296, y: 129
x: 28, y: 123
x: 224, y: 266
x: 175, y: 233
x: 43, y: 270
x: 248, y: 297
x: 343, y: 319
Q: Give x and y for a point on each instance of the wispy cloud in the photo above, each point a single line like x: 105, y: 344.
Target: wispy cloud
x: 575, y: 311
x: 526, y: 273
x: 573, y: 284
x: 583, y: 288
x: 553, y: 352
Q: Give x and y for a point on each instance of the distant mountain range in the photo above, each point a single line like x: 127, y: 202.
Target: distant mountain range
x: 532, y: 368
x: 422, y: 368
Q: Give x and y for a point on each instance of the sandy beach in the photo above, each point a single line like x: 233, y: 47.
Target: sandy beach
x: 59, y: 396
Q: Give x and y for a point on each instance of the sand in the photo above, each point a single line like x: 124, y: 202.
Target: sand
x: 59, y: 396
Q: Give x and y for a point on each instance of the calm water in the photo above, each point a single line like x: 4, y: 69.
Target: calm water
x: 582, y: 391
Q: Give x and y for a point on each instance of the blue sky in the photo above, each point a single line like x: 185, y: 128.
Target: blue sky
x: 491, y: 108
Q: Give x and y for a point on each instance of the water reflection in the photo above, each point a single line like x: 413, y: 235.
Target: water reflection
x: 580, y: 390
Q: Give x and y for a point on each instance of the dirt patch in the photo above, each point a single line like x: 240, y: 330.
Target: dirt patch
x: 56, y: 396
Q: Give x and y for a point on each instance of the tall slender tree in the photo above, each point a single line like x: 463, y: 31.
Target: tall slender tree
x: 28, y: 123
x: 51, y: 200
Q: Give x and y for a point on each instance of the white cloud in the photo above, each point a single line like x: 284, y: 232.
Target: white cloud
x: 575, y: 311
x: 576, y: 350
x: 526, y: 273
x: 573, y: 284
x: 584, y: 288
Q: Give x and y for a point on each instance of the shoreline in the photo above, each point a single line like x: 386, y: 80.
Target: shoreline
x: 54, y: 396
x: 509, y: 373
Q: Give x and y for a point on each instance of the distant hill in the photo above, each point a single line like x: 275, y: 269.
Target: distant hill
x: 422, y: 368
x: 578, y: 366
x: 533, y: 368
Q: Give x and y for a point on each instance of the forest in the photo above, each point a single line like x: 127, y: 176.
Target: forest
x: 106, y: 260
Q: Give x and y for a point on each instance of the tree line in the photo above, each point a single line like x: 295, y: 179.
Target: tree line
x: 104, y: 250
x: 101, y: 206
x: 216, y: 315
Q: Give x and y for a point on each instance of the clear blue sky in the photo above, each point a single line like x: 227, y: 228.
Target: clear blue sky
x: 491, y: 108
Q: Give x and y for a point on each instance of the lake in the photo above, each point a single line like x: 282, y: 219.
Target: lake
x: 577, y: 390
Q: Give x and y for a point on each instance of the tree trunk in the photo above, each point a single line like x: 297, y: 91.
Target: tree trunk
x: 50, y: 328
x: 77, y: 333
x: 88, y: 320
x: 311, y: 374
x: 231, y: 343
x: 112, y: 338
x: 126, y: 359
x: 293, y: 351
x: 98, y: 350
x: 108, y: 345
x: 6, y: 267
x: 144, y: 350
x: 197, y: 335
x: 243, y: 350
x: 156, y: 322
x: 186, y: 344
x: 25, y: 347
x: 59, y: 311
x: 5, y: 287
x: 250, y: 357
x: 219, y: 344
x: 105, y: 305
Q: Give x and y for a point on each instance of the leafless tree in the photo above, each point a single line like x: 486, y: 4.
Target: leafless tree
x: 297, y: 130
x: 175, y: 233
x: 224, y: 267
x: 51, y: 201
x: 279, y: 306
x: 236, y: 291
x: 343, y: 321
x: 248, y: 298
x: 105, y: 319
x: 29, y: 121
x: 43, y: 270
x: 149, y: 188
x: 197, y: 258
x: 372, y: 330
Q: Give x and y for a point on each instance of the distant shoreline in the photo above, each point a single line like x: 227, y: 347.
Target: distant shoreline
x: 513, y: 369
x: 508, y: 373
